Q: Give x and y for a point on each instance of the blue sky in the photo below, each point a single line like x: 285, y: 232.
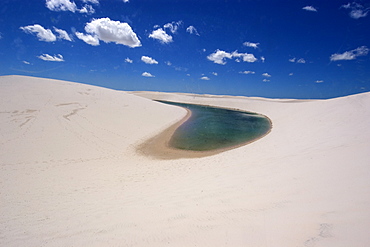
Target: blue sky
x: 276, y: 49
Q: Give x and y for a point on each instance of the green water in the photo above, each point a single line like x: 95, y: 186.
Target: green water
x: 211, y: 128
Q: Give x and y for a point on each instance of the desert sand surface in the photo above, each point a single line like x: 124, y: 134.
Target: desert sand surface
x: 71, y: 173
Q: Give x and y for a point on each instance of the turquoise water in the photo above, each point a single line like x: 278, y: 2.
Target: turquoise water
x: 211, y: 128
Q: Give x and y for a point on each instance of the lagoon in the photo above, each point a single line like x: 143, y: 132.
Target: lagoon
x: 212, y: 128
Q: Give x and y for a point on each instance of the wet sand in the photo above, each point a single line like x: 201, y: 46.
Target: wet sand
x: 158, y: 147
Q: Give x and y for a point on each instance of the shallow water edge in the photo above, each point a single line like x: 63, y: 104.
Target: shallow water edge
x: 159, y: 146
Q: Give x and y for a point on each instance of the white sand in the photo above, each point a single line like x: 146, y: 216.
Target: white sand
x: 70, y: 174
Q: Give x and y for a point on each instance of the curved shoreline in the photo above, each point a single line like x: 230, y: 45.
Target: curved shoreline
x: 158, y: 146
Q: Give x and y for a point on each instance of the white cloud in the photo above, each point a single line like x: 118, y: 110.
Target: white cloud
x: 55, y: 58
x: 61, y: 5
x: 290, y: 74
x: 310, y: 8
x: 173, y: 26
x: 247, y: 72
x: 250, y: 44
x: 168, y: 63
x: 41, y: 33
x: 127, y: 60
x: 126, y: 1
x: 25, y: 62
x: 205, y: 78
x: 266, y: 75
x: 219, y: 57
x: 89, y: 39
x: 265, y: 80
x: 319, y: 81
x: 350, y: 55
x: 295, y: 60
x: 147, y: 74
x: 214, y: 73
x: 357, y: 10
x: 192, y: 30
x: 62, y: 34
x: 67, y: 5
x: 358, y: 13
x: 148, y: 60
x: 161, y: 35
x: 263, y: 59
x: 109, y: 31
x: 250, y: 58
x: 91, y: 1
x: 87, y: 9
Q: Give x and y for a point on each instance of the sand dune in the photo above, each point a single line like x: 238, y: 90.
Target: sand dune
x: 71, y: 175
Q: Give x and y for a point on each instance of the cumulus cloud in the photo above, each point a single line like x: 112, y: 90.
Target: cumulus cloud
x: 250, y: 44
x: 87, y: 9
x: 192, y: 30
x: 41, y: 33
x: 266, y: 75
x: 89, y: 39
x: 247, y: 72
x: 62, y: 34
x: 61, y: 5
x: 127, y: 60
x: 310, y: 8
x: 263, y: 59
x: 55, y: 58
x: 147, y: 74
x: 214, y: 73
x: 250, y: 58
x: 126, y: 1
x: 109, y: 31
x: 173, y: 26
x: 148, y: 60
x: 67, y: 5
x: 301, y: 60
x: 350, y: 55
x: 219, y: 57
x: 356, y: 10
x: 205, y: 78
x: 161, y: 35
